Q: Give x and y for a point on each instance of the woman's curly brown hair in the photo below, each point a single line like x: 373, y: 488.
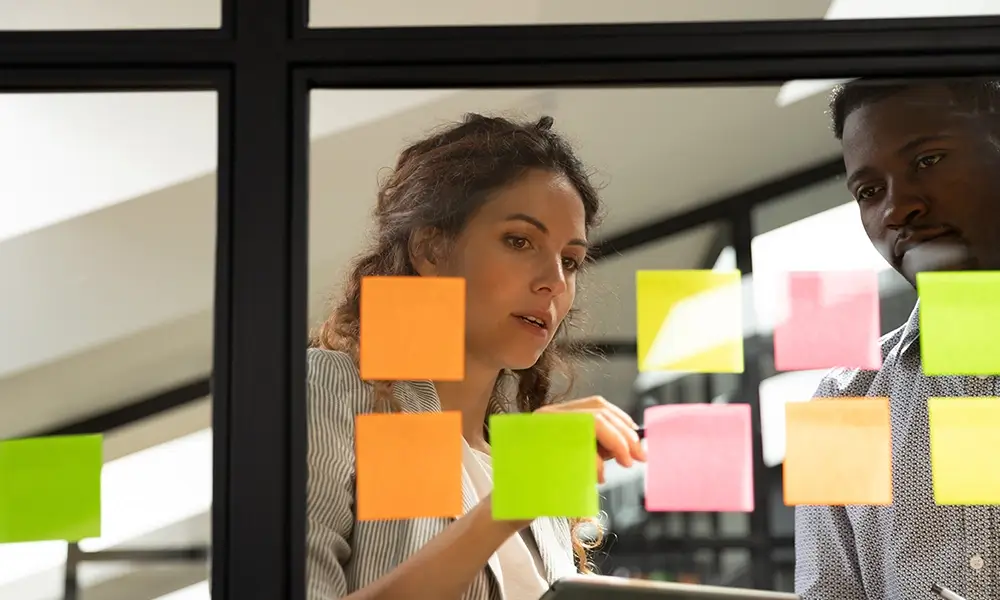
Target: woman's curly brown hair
x: 439, y: 183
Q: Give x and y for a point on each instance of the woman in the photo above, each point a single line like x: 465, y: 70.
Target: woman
x: 507, y: 206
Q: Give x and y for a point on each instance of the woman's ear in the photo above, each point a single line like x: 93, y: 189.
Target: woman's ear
x: 426, y: 251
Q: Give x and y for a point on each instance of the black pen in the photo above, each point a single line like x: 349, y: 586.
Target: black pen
x: 945, y: 593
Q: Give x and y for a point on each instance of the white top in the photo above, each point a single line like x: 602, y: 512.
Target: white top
x: 521, y: 574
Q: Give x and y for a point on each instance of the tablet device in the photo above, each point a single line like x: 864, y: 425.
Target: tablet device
x: 593, y: 587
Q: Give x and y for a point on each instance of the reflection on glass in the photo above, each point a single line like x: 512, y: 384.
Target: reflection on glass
x: 198, y: 591
x: 108, y: 250
x: 44, y: 15
x: 398, y: 13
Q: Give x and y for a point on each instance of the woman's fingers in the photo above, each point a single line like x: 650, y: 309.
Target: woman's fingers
x: 636, y: 451
x: 613, y: 437
x: 600, y: 470
x: 615, y: 429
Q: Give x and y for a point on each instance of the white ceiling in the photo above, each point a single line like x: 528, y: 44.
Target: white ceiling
x: 107, y: 207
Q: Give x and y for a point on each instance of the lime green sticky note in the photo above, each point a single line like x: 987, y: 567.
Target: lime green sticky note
x: 689, y: 321
x: 965, y: 441
x: 960, y: 322
x: 544, y: 465
x: 50, y: 488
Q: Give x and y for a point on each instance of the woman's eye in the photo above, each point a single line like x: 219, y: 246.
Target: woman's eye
x: 518, y: 243
x: 571, y: 264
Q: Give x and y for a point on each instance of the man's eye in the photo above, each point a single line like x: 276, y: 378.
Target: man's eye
x: 868, y: 192
x: 929, y: 161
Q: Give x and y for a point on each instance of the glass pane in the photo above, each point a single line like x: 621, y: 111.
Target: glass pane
x: 90, y: 15
x: 654, y: 154
x: 108, y: 250
x: 398, y: 13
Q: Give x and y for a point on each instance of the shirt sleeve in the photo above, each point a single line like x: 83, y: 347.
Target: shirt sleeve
x: 333, y: 390
x: 826, y: 558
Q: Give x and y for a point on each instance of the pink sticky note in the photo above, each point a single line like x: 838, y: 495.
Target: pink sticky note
x: 700, y: 458
x: 828, y: 319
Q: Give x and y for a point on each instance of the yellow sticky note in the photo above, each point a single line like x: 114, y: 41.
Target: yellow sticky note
x: 839, y: 452
x: 959, y: 322
x: 690, y: 321
x: 413, y: 328
x: 965, y: 442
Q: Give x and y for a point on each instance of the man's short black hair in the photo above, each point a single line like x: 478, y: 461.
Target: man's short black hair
x: 978, y: 94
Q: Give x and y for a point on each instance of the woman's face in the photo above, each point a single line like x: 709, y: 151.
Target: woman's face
x: 519, y: 255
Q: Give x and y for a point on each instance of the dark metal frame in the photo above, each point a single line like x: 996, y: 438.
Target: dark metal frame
x: 264, y: 60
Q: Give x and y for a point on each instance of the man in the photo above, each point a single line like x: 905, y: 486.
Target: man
x: 923, y: 164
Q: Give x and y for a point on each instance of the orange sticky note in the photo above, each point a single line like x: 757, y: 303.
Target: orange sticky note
x: 409, y: 465
x: 413, y: 328
x: 838, y: 452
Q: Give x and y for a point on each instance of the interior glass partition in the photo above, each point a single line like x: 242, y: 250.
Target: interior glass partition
x: 262, y: 67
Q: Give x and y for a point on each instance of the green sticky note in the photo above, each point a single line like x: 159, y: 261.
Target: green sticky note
x: 965, y: 440
x: 689, y: 321
x: 50, y: 488
x: 960, y: 322
x: 544, y: 465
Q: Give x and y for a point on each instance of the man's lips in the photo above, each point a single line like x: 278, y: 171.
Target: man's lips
x: 907, y: 243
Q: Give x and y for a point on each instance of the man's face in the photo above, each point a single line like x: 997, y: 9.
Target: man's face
x: 926, y: 175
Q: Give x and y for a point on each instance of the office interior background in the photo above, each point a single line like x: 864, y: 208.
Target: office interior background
x: 108, y: 241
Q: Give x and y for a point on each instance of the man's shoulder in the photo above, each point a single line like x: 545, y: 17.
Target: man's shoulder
x: 847, y: 382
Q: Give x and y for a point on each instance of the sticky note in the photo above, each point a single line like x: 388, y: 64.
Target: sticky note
x: 413, y: 328
x: 839, y: 452
x: 50, y: 488
x: 700, y: 458
x: 959, y: 322
x: 828, y: 319
x: 544, y: 465
x: 965, y: 442
x: 409, y: 465
x: 689, y: 321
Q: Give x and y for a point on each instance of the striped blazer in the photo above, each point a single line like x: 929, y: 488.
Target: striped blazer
x: 343, y: 554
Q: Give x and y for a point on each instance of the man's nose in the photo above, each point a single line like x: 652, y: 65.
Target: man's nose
x: 904, y: 204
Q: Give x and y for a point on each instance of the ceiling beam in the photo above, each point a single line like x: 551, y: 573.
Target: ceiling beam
x: 719, y: 210
x: 136, y: 410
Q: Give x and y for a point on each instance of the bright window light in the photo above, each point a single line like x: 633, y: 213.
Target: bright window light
x: 775, y: 393
x: 793, y: 91
x: 67, y: 155
x: 198, y: 591
x: 828, y: 241
x: 141, y: 493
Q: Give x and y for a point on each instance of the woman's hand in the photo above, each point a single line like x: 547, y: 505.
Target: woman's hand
x: 616, y: 436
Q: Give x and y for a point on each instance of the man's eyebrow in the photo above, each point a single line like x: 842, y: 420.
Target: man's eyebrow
x: 903, y: 150
x: 920, y: 140
x: 541, y: 227
x: 862, y: 172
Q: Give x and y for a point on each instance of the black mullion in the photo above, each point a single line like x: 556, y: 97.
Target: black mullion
x: 259, y: 541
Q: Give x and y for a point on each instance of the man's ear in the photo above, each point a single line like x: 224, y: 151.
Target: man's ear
x: 427, y: 251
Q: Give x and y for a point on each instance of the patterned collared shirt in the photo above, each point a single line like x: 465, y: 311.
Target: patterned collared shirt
x: 897, y: 552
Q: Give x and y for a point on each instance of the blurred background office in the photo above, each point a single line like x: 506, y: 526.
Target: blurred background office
x: 107, y: 251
